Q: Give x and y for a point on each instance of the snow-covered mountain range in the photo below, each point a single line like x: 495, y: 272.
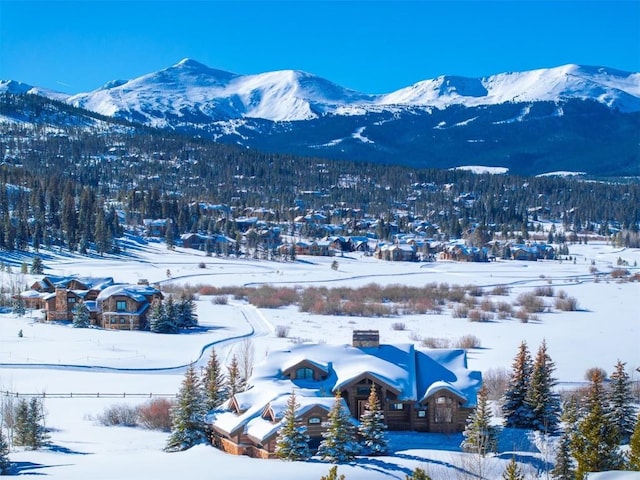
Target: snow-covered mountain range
x: 566, y: 114
x: 190, y: 89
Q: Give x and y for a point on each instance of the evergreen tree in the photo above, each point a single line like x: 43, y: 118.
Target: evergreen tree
x: 5, y: 463
x: 418, y: 474
x: 187, y: 415
x: 38, y: 435
x: 234, y: 379
x: 29, y: 430
x: 213, y: 383
x: 186, y: 311
x: 372, y: 427
x: 333, y: 474
x: 541, y: 398
x: 512, y: 472
x: 81, y: 316
x: 159, y: 320
x: 18, y: 306
x: 480, y: 436
x: 622, y: 412
x: 37, y: 268
x: 594, y: 444
x: 634, y: 448
x: 338, y: 444
x: 564, y: 468
x: 292, y: 442
x: 515, y: 409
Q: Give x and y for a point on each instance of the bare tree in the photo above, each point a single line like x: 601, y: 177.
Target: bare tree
x: 246, y: 359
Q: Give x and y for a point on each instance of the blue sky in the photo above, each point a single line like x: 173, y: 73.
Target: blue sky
x: 371, y: 46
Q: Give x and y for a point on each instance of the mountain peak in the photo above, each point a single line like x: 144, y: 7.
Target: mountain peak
x: 190, y: 63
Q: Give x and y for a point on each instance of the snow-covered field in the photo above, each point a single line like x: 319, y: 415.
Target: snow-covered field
x: 54, y: 359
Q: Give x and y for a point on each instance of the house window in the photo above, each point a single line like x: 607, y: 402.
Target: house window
x: 397, y: 406
x: 304, y: 374
x: 71, y: 299
x: 444, y: 410
x: 421, y: 413
x: 366, y: 390
x: 113, y: 320
x: 121, y: 306
x: 122, y: 320
x: 314, y: 420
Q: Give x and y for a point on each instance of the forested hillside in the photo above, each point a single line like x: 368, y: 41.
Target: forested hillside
x: 73, y: 179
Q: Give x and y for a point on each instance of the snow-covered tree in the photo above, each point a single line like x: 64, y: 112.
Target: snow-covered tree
x: 5, y: 463
x: 187, y: 415
x: 513, y: 471
x: 213, y: 383
x: 594, y: 443
x: 292, y: 442
x: 339, y: 442
x: 515, y: 409
x: 480, y: 436
x: 159, y: 319
x: 186, y: 311
x: 543, y: 401
x: 372, y: 428
x: 81, y: 315
x: 622, y: 411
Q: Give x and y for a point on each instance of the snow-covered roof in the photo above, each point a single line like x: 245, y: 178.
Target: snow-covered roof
x: 414, y: 374
x: 138, y: 292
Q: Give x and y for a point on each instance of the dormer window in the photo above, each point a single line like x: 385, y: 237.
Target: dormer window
x: 314, y: 420
x: 121, y: 306
x: 304, y: 373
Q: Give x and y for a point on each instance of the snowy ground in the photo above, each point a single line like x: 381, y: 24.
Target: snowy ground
x: 54, y: 359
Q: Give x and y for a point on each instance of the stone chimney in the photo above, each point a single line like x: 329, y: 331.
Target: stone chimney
x: 366, y: 338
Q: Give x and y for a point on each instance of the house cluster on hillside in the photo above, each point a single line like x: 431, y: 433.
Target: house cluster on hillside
x: 110, y: 305
x: 422, y: 390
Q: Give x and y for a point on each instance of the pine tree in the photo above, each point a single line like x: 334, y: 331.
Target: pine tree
x: 512, y: 472
x: 234, y: 379
x: 333, y: 474
x: 160, y: 321
x: 541, y: 398
x: 18, y: 306
x: 338, y: 444
x: 594, y: 443
x: 515, y: 409
x: 37, y: 268
x: 213, y: 383
x: 480, y: 436
x: 187, y: 415
x: 564, y: 468
x: 292, y: 442
x: 634, y: 448
x: 5, y: 463
x: 372, y: 427
x: 81, y: 316
x: 622, y: 412
x: 185, y: 311
x: 418, y: 474
x: 21, y: 425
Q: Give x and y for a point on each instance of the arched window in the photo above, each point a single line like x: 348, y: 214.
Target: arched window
x: 304, y: 373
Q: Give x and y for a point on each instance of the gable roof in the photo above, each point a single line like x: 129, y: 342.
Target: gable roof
x: 137, y: 292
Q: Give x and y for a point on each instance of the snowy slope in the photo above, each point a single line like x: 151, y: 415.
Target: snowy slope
x: 191, y: 89
x: 614, y: 88
x: 192, y: 93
